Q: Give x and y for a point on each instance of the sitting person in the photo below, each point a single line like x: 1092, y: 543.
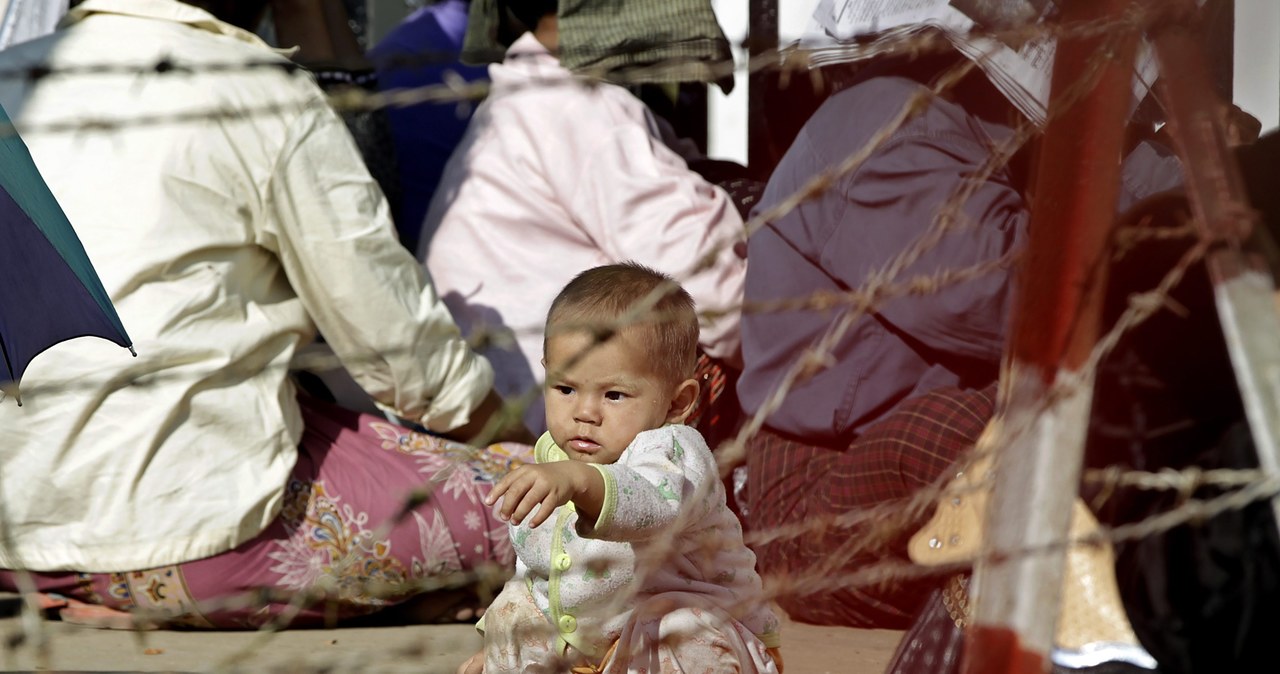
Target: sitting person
x: 638, y: 544
x: 557, y: 173
x: 194, y: 474
x: 909, y: 387
x: 1202, y: 596
x: 423, y: 51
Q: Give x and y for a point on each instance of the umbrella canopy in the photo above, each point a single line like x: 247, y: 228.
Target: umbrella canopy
x: 49, y: 291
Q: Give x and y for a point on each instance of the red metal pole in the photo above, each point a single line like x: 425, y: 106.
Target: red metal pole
x: 1055, y: 327
x: 1077, y: 185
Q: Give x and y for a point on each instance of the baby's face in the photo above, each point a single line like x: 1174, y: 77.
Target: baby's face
x: 599, y: 397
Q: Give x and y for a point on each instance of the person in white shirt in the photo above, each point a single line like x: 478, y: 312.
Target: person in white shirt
x: 622, y: 534
x: 555, y: 174
x: 229, y: 217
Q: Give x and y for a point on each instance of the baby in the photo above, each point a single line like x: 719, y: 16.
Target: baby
x: 640, y: 565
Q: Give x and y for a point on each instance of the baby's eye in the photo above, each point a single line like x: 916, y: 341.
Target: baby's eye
x: 615, y: 395
x: 562, y: 389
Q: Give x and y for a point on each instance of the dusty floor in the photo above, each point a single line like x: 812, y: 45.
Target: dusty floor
x: 431, y: 649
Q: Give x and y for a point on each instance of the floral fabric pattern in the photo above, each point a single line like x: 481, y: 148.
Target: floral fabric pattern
x: 370, y: 510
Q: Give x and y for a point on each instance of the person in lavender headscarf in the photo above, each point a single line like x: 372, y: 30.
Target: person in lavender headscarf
x: 910, y: 386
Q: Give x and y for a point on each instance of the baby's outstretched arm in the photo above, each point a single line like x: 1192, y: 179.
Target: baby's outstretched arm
x: 549, y: 486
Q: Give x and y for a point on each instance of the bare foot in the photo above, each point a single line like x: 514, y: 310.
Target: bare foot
x: 49, y: 602
x: 101, y: 617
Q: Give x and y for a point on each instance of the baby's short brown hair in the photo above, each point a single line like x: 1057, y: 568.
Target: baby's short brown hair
x: 601, y: 300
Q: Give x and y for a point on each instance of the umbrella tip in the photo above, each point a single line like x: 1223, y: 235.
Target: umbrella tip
x: 132, y: 352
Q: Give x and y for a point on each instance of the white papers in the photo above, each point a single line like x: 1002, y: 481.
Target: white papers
x: 842, y: 31
x: 847, y: 19
x: 1023, y: 76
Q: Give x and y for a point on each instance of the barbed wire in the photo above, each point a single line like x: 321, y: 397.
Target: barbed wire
x: 947, y: 217
x: 816, y: 186
x: 458, y: 90
x: 890, y: 519
x: 786, y: 57
x: 802, y: 583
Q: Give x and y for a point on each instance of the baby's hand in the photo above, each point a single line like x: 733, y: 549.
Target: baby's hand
x: 545, y: 486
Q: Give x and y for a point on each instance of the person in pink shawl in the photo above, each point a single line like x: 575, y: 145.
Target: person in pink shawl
x: 556, y: 174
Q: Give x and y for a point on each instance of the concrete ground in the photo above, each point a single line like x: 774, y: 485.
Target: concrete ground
x: 807, y: 649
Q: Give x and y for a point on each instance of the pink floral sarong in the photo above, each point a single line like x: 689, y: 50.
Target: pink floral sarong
x: 337, y: 531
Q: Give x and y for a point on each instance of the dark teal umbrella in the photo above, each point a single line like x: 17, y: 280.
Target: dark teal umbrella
x: 49, y: 292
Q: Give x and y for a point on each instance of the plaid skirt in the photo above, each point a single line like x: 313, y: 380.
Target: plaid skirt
x: 343, y: 531
x: 791, y: 482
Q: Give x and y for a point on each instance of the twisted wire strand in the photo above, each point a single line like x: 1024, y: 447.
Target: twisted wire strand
x: 1246, y: 486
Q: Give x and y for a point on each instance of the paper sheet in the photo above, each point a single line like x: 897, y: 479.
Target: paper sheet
x: 841, y: 31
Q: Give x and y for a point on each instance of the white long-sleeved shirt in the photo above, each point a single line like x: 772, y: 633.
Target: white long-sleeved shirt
x: 587, y: 577
x: 223, y: 243
x: 556, y: 175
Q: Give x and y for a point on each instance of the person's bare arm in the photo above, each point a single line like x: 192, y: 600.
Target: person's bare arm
x: 492, y: 421
x: 320, y: 29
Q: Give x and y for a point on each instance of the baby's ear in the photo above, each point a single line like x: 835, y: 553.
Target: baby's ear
x: 683, y: 401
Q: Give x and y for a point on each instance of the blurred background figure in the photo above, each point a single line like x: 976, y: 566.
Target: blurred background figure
x: 328, y: 44
x: 422, y: 51
x: 558, y: 173
x: 22, y: 20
